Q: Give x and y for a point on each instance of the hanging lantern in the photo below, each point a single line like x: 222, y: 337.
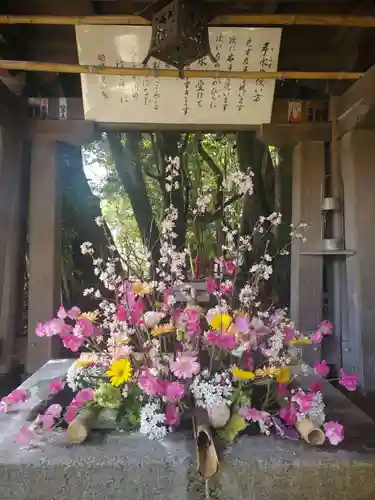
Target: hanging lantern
x: 180, y: 34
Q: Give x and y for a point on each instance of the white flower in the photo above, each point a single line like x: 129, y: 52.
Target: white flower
x: 99, y: 221
x: 152, y: 318
x: 211, y: 393
x: 86, y: 248
x: 88, y: 291
x: 152, y: 421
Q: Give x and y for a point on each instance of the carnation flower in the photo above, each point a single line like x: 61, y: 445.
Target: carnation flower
x: 211, y: 285
x: 185, y: 366
x: 25, y: 434
x: 174, y: 391
x: 350, y: 382
x: 56, y: 385
x: 334, y: 432
x: 172, y: 414
x: 321, y: 368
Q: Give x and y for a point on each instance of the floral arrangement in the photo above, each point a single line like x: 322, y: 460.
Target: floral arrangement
x: 160, y: 358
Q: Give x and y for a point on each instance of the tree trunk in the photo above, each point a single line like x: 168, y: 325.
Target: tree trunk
x: 128, y: 165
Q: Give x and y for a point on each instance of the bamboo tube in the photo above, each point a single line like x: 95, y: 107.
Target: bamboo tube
x: 310, y: 432
x: 207, y: 459
x: 224, y: 20
x: 173, y: 73
x: 79, y: 429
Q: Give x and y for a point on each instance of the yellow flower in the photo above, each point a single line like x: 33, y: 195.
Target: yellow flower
x: 120, y: 371
x: 302, y: 340
x: 284, y: 375
x: 242, y: 374
x: 141, y: 289
x: 90, y: 315
x: 267, y: 372
x: 82, y: 363
x: 221, y: 322
x: 162, y: 329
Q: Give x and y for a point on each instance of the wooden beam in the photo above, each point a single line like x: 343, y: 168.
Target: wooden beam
x: 355, y: 106
x: 224, y: 20
x: 290, y: 134
x: 75, y: 132
x: 173, y: 73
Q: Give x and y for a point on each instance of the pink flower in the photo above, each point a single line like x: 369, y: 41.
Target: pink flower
x: 61, y: 313
x: 53, y: 413
x: 71, y: 341
x: 254, y: 415
x: 229, y: 266
x: 74, y: 312
x: 83, y: 328
x: 172, y: 414
x: 193, y: 326
x: 211, y: 285
x: 247, y: 362
x: 317, y: 337
x: 122, y: 351
x: 315, y: 387
x: 121, y: 313
x: 322, y: 368
x: 350, y: 382
x: 56, y: 385
x: 24, y: 435
x: 47, y: 421
x: 226, y: 288
x: 334, y: 432
x: 18, y: 396
x: 84, y: 395
x: 282, y: 389
x: 54, y: 410
x: 174, y: 391
x: 289, y: 334
x: 326, y: 327
x: 4, y: 406
x: 71, y: 413
x: 54, y: 327
x: 40, y: 330
x: 149, y: 384
x: 185, y: 366
x: 303, y: 400
x: 241, y: 324
x: 222, y: 340
x: 289, y: 415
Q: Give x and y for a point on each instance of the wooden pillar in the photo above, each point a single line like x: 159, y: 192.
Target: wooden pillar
x: 306, y: 301
x: 358, y: 173
x: 45, y: 249
x: 12, y: 239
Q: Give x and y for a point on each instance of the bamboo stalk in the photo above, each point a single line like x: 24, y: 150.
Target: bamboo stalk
x: 224, y: 20
x: 173, y: 73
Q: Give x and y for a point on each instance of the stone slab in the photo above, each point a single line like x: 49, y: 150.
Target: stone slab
x: 131, y: 467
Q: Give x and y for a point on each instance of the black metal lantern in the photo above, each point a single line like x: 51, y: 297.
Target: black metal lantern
x: 180, y: 34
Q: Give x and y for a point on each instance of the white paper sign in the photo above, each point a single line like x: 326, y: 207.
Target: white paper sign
x: 192, y: 101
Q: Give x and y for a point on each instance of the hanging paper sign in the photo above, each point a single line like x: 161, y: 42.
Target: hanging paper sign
x: 63, y: 108
x: 191, y: 101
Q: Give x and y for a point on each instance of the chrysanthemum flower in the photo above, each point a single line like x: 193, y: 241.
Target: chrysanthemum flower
x: 141, y: 289
x: 162, y: 329
x: 120, y: 371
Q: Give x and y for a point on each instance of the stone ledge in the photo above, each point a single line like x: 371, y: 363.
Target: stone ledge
x: 131, y: 467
